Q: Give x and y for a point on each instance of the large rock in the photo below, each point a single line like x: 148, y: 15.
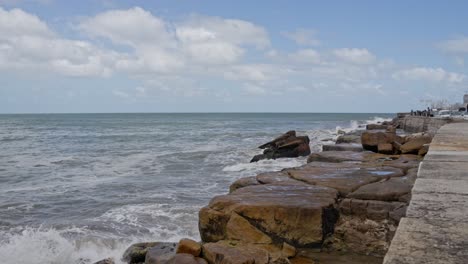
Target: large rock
x: 343, y: 147
x: 349, y: 139
x: 106, y: 261
x: 224, y: 252
x: 371, y: 139
x: 136, y: 253
x: 369, y: 209
x: 367, y: 158
x: 390, y: 190
x: 385, y: 148
x: 300, y: 215
x: 287, y: 145
x: 413, y: 145
x: 243, y: 182
x: 376, y: 126
x: 189, y: 246
x: 345, y: 178
x: 160, y: 253
x: 183, y: 258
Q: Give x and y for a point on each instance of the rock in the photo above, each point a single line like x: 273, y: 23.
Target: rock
x: 287, y: 145
x: 189, y: 246
x: 288, y: 251
x: 371, y: 139
x: 183, y: 258
x: 160, y: 253
x: 385, y: 148
x: 390, y: 190
x: 276, y: 177
x: 367, y: 158
x: 239, y: 228
x: 348, y: 139
x: 136, y: 253
x: 391, y: 129
x: 343, y: 147
x: 106, y: 261
x: 370, y: 209
x: 223, y: 252
x: 423, y: 150
x: 413, y: 144
x: 345, y: 178
x: 376, y: 127
x: 273, y: 209
x: 243, y: 182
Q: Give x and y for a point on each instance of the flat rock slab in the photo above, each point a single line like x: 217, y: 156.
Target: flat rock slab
x: 223, y: 252
x: 299, y: 215
x: 345, y: 178
x: 390, y: 190
x: 343, y: 147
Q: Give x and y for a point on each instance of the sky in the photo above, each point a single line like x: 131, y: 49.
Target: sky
x: 231, y: 56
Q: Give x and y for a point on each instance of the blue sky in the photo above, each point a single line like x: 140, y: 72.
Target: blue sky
x: 230, y: 56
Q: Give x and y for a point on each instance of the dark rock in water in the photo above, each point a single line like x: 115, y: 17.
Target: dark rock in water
x: 287, y: 145
x: 105, y: 261
x: 349, y: 139
x: 161, y: 253
x: 136, y: 253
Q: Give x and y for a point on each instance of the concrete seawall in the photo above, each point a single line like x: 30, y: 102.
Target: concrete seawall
x: 435, y: 229
x: 416, y: 124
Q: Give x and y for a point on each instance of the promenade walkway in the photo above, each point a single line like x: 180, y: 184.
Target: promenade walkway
x: 435, y: 229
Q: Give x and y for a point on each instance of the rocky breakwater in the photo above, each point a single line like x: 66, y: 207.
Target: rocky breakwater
x: 343, y: 206
x: 287, y: 145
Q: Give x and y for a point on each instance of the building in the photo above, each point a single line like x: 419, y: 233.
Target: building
x: 465, y: 102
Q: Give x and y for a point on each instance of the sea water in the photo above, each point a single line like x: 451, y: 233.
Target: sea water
x: 77, y: 188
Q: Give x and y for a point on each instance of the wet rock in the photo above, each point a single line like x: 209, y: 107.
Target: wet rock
x: 414, y: 144
x: 183, y: 258
x: 287, y: 145
x: 231, y: 253
x: 243, y: 182
x: 343, y: 147
x: 390, y: 190
x: 136, y: 253
x: 345, y: 178
x: 189, y: 246
x: 297, y: 214
x: 106, y: 261
x: 160, y: 253
x: 371, y: 139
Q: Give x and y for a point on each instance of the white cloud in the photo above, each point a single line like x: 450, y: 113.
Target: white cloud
x: 303, y: 37
x: 27, y: 43
x: 456, y: 46
x: 429, y: 74
x: 353, y: 55
x: 305, y: 56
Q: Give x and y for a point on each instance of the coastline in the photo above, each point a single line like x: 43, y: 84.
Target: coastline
x: 353, y: 219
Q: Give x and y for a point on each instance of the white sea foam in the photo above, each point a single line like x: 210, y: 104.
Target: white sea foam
x: 50, y: 246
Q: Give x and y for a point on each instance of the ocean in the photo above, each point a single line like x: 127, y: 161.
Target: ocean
x: 77, y: 188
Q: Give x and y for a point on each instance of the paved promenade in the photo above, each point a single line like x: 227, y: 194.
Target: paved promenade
x: 435, y: 229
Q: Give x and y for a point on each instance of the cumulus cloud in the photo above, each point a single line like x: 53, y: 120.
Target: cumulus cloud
x: 303, y: 37
x: 28, y: 43
x: 429, y: 74
x: 353, y: 55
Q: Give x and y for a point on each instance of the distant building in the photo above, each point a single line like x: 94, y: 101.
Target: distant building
x: 465, y: 102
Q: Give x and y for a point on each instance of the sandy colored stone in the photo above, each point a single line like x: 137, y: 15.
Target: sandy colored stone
x: 224, y: 252
x: 371, y: 139
x: 238, y: 228
x: 184, y: 258
x: 385, y: 148
x: 243, y: 182
x: 296, y: 214
x: 413, y: 145
x: 189, y: 246
x: 423, y: 150
x: 389, y: 190
x: 345, y: 178
x: 288, y: 251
